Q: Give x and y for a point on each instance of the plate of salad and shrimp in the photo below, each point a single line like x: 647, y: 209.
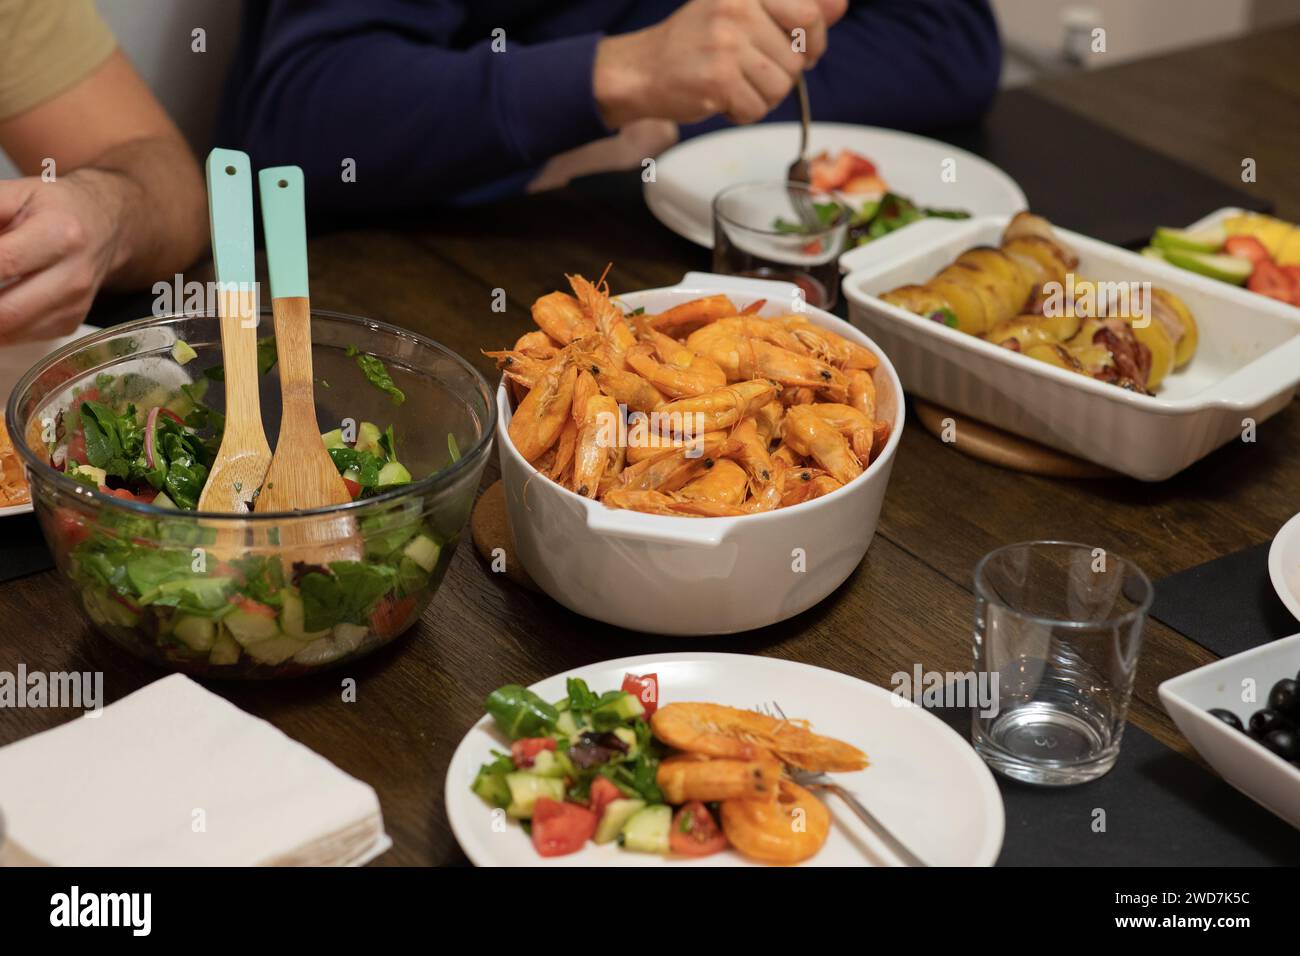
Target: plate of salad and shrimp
x: 682, y: 760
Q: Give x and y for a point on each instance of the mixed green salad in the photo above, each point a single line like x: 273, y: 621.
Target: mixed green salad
x: 150, y: 577
x: 870, y: 220
x: 584, y: 768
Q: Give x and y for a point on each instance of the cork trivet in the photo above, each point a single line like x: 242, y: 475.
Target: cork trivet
x: 490, y: 529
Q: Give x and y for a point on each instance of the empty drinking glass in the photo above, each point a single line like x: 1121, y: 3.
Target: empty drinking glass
x: 781, y: 231
x: 1058, y: 627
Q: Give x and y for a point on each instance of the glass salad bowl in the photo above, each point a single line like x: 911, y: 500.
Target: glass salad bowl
x: 115, y: 430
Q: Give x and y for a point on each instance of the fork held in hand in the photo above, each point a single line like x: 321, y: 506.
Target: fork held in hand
x: 823, y: 782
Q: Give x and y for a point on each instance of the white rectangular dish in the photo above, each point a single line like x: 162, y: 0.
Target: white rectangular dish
x: 1246, y: 367
x: 1263, y: 776
x: 695, y: 576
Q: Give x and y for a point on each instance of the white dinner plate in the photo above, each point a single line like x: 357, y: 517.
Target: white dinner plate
x: 689, y: 175
x: 925, y: 782
x: 1284, y: 565
x: 15, y: 360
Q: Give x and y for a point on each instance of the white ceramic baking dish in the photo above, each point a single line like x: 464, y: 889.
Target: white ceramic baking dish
x: 697, y: 576
x: 1247, y: 365
x: 1263, y: 776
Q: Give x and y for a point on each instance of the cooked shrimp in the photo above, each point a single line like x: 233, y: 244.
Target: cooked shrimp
x: 656, y: 502
x: 540, y: 417
x: 520, y: 367
x: 768, y: 419
x: 809, y: 434
x: 607, y: 317
x: 673, y: 467
x: 597, y: 447
x: 691, y: 315
x: 725, y: 483
x: 643, y: 443
x: 827, y: 345
x: 536, y: 344
x: 798, y: 396
x: 723, y: 407
x: 560, y: 316
x: 698, y: 375
x: 789, y: 829
x: 691, y: 777
x: 626, y: 388
x: 721, y: 731
x: 564, y: 449
x: 809, y: 485
x: 862, y: 392
x: 744, y: 357
x: 751, y: 453
x: 852, y: 424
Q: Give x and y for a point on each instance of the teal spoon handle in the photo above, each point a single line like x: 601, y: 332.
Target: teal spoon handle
x: 284, y: 221
x: 230, y: 210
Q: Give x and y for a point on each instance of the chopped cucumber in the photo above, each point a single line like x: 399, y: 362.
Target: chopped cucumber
x: 526, y: 788
x: 276, y: 650
x: 547, y: 764
x: 647, y: 830
x: 183, y: 352
x: 1224, y: 268
x: 249, y: 628
x: 423, y: 550
x: 349, y: 636
x: 616, y: 815
x: 368, y: 435
x: 106, y: 611
x: 196, y: 633
x: 566, y: 725
x: 292, y: 618
x: 393, y: 473
x: 320, y: 652
x: 162, y: 501
x: 334, y: 439
x: 492, y: 789
x: 1207, y: 240
x: 225, y: 650
x: 628, y: 736
x: 624, y: 707
x: 97, y: 475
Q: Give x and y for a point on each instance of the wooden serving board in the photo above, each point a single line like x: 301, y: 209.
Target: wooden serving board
x: 993, y: 445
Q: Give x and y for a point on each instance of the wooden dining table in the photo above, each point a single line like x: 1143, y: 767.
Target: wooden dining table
x: 909, y: 602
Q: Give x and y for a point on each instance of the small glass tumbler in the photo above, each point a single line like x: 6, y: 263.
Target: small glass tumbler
x: 1058, y: 628
x: 758, y: 231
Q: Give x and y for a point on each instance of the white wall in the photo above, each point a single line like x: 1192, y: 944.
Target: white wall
x: 157, y: 36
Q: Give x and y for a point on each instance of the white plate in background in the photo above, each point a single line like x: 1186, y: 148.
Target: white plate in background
x: 689, y: 175
x: 1284, y: 566
x: 925, y: 782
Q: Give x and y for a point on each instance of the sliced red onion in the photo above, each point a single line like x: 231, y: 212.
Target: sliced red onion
x: 150, y: 424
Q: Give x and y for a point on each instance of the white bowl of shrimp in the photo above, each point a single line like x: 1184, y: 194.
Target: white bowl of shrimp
x: 764, y: 509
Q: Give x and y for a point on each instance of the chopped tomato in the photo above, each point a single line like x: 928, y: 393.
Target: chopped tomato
x: 524, y: 752
x: 249, y: 606
x: 695, y: 832
x: 812, y: 248
x: 391, y: 615
x: 76, y: 450
x: 1269, y: 279
x: 69, y: 528
x: 603, y: 793
x: 171, y: 414
x: 353, y: 487
x: 1247, y: 247
x: 145, y: 498
x: 828, y: 173
x: 561, y: 828
x: 645, y: 689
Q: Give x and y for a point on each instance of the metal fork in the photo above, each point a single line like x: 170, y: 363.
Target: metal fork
x: 823, y: 782
x: 798, y: 171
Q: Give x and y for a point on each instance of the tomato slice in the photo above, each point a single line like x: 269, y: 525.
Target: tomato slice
x: 645, y: 689
x: 1247, y: 247
x: 76, y: 450
x: 561, y: 828
x: 69, y: 528
x: 695, y: 832
x: 524, y: 752
x: 126, y: 495
x: 603, y: 793
x: 1271, y: 280
x: 250, y: 606
x: 353, y: 487
x: 391, y: 615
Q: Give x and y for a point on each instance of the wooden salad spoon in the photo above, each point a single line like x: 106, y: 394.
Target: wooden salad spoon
x: 302, y: 475
x: 244, y: 454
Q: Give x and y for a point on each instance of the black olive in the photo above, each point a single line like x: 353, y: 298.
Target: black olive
x: 1285, y: 698
x: 1228, y: 717
x: 1263, y: 722
x: 1284, y: 743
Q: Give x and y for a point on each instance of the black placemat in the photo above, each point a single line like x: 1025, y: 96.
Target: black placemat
x: 23, y: 551
x: 1227, y: 605
x: 1157, y: 808
x: 1089, y: 179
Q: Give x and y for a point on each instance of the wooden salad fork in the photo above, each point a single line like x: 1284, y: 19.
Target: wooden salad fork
x: 244, y: 454
x: 302, y: 475
x: 823, y: 782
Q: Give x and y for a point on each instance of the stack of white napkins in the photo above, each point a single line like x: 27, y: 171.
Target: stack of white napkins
x: 174, y: 775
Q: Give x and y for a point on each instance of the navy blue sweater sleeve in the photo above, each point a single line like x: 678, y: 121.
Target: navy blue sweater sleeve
x: 906, y: 64
x: 379, y: 83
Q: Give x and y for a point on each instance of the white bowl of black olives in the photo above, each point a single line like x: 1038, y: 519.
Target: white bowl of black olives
x: 1242, y: 714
